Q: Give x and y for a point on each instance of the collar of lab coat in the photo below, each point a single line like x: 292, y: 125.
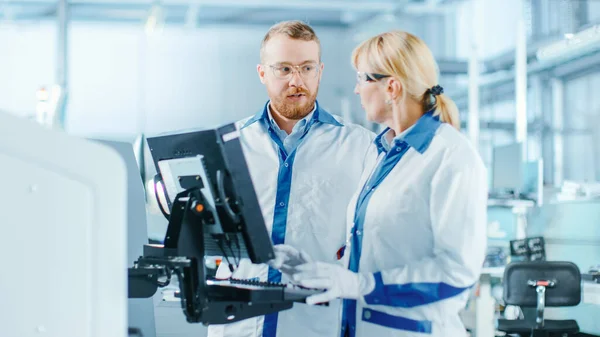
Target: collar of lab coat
x: 319, y: 115
x: 419, y: 137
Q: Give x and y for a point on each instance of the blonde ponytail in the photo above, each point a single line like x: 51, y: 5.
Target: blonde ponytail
x: 447, y: 110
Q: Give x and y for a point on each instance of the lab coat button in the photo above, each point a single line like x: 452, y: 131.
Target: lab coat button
x: 286, y: 164
x: 282, y: 204
x: 367, y: 314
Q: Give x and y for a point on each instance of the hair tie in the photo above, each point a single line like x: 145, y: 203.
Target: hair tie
x: 436, y: 90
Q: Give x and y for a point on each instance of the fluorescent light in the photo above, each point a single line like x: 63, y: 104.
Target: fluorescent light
x: 573, y: 45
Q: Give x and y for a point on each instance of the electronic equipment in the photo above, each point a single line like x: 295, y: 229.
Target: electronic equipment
x: 64, y: 221
x: 213, y: 210
x: 528, y: 249
x: 507, y: 170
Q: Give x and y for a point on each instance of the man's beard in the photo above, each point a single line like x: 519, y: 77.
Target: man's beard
x: 294, y: 110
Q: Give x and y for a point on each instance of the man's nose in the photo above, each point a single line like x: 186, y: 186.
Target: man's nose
x: 296, y: 79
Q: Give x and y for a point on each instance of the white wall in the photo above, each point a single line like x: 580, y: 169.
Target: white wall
x: 499, y: 27
x: 27, y: 56
x: 123, y: 82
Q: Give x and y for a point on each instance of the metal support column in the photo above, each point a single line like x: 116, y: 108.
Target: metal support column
x: 547, y: 132
x: 535, y: 127
x: 521, y: 77
x: 62, y: 74
x: 557, y: 129
x: 484, y: 303
x: 474, y: 72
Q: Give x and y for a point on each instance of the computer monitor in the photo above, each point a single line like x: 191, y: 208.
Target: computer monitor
x: 216, y: 159
x: 507, y: 169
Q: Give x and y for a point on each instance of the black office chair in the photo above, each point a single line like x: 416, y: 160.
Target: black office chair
x: 541, y: 284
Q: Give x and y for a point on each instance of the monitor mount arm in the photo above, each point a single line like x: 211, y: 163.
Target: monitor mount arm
x: 183, y: 255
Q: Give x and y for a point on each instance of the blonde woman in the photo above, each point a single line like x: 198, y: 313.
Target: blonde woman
x: 417, y: 238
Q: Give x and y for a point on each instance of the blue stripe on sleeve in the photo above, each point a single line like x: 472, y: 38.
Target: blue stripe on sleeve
x: 410, y: 294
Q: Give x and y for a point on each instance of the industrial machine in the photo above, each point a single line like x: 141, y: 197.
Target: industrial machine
x: 63, y: 216
x: 212, y: 210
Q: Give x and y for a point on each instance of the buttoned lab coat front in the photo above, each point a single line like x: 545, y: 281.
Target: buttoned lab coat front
x: 421, y: 231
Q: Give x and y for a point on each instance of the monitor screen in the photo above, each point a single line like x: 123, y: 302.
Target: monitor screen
x: 507, y: 168
x: 216, y: 155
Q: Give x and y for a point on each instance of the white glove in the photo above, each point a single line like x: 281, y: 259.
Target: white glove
x: 287, y: 258
x: 338, y: 281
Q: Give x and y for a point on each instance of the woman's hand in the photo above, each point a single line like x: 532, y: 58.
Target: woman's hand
x: 287, y: 258
x: 338, y: 281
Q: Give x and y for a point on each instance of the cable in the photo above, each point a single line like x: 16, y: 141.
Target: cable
x: 232, y: 253
x: 220, y: 244
x: 236, y: 260
x: 168, y: 281
x: 237, y: 243
x: 221, y: 190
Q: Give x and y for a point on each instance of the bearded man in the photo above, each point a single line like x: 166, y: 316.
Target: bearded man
x: 305, y: 165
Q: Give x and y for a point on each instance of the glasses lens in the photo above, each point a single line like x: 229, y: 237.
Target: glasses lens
x: 282, y: 71
x: 306, y: 71
x: 309, y: 70
x: 361, y: 77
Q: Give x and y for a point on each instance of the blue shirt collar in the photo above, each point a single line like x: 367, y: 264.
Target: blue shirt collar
x: 319, y: 115
x: 418, y: 137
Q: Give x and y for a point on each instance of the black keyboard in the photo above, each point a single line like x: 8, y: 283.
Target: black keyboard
x: 257, y: 283
x: 260, y: 291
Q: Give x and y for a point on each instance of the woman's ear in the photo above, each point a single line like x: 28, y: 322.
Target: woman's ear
x: 394, y: 88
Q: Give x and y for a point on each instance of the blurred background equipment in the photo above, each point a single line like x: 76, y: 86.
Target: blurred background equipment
x: 528, y: 249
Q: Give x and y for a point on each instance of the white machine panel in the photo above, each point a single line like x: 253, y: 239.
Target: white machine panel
x: 63, y: 222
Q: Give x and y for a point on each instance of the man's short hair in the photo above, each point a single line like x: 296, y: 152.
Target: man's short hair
x: 294, y: 29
